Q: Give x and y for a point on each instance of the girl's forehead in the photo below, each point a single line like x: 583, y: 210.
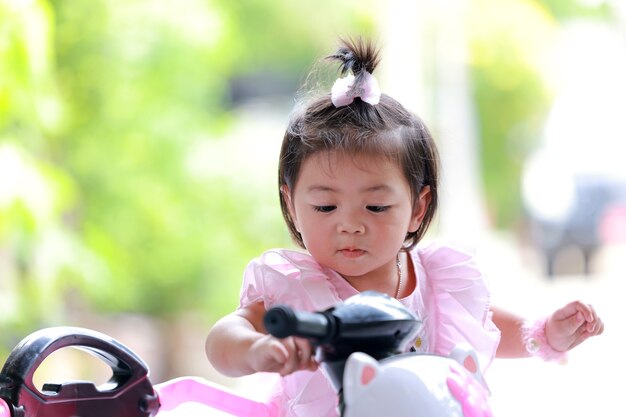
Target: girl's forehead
x: 332, y: 162
x: 339, y: 172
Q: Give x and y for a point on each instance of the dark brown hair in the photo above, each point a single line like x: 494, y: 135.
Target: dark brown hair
x: 385, y: 129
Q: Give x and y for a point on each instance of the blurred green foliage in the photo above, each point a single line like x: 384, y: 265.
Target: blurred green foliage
x: 510, y: 95
x: 103, y: 102
x: 510, y: 41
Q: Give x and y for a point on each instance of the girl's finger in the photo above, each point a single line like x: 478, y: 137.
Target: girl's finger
x: 304, y: 353
x: 291, y: 364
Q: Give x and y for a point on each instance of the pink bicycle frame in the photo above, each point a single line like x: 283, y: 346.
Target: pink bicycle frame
x: 174, y: 393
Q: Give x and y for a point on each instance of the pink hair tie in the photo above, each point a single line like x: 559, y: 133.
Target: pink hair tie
x: 536, y: 342
x: 344, y: 91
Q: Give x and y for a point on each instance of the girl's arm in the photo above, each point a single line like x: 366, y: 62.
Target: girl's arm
x: 566, y: 328
x: 511, y: 340
x: 237, y: 345
x: 229, y: 341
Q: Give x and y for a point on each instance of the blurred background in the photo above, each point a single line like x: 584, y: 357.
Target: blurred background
x: 138, y: 154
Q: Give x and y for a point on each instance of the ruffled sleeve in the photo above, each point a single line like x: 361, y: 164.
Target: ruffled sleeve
x: 288, y: 277
x: 458, y: 302
x: 294, y: 278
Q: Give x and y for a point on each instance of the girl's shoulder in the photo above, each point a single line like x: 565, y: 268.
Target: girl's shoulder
x: 456, y: 299
x: 291, y: 277
x: 442, y: 259
x: 290, y: 263
x: 449, y: 275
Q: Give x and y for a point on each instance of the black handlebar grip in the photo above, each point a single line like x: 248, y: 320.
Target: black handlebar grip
x: 282, y: 321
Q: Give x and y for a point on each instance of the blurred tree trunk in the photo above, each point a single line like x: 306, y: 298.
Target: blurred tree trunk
x: 462, y: 207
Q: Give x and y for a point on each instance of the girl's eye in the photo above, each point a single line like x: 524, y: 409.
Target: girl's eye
x: 324, y: 209
x: 378, y: 209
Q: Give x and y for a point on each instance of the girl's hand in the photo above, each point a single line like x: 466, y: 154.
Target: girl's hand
x: 571, y: 325
x: 269, y: 354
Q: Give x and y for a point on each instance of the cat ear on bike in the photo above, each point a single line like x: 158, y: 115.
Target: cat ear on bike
x: 464, y: 354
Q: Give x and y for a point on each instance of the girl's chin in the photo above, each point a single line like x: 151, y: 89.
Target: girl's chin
x: 351, y: 271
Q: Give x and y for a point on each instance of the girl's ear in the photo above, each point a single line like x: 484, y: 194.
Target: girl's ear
x: 421, y: 206
x: 286, y: 193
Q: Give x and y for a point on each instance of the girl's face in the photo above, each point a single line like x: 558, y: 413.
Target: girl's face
x: 353, y: 213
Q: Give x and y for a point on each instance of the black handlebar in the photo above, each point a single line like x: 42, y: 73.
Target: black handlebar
x: 282, y: 321
x: 369, y: 322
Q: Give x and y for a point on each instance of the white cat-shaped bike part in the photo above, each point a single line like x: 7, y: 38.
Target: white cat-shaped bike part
x: 415, y: 385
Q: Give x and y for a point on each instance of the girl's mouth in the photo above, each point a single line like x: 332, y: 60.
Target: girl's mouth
x: 352, y: 253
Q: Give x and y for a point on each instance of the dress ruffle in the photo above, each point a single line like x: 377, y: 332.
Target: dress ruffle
x: 458, y: 302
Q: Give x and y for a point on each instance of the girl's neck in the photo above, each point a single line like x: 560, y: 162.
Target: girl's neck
x: 386, y: 278
x: 409, y: 279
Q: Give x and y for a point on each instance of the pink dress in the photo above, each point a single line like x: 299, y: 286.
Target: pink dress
x: 451, y: 298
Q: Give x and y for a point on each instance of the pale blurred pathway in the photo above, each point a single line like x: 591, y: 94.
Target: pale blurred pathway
x: 589, y: 384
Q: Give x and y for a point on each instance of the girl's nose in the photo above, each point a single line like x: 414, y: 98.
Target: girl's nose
x: 351, y: 224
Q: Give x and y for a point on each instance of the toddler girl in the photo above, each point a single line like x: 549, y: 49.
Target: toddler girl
x: 358, y: 182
